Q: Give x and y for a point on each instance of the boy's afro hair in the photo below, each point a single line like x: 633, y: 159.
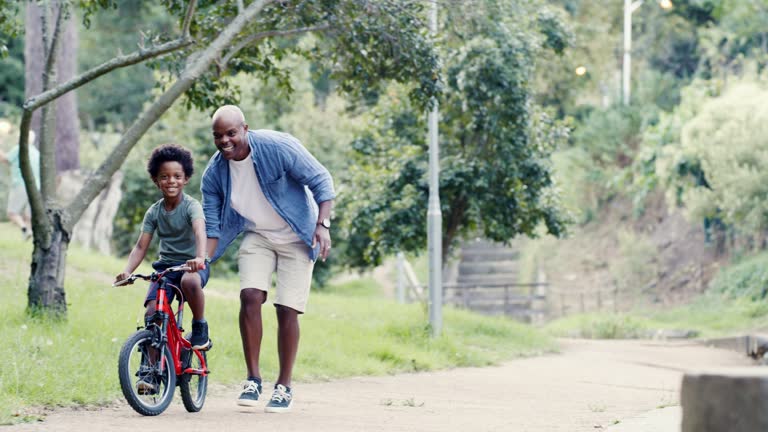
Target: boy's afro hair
x: 170, y: 153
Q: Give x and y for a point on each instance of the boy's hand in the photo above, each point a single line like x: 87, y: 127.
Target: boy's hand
x: 122, y: 276
x: 196, y: 264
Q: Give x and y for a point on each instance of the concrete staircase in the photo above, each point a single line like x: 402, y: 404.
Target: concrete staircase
x: 486, y: 280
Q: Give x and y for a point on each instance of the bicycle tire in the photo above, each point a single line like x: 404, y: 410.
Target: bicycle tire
x: 193, y: 388
x: 133, y: 363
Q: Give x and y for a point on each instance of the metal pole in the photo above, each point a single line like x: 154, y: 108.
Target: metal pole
x: 400, y: 277
x: 626, y: 64
x: 434, y: 216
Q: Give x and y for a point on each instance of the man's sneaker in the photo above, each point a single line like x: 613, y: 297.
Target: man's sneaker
x: 281, y: 400
x: 250, y: 394
x: 199, y: 338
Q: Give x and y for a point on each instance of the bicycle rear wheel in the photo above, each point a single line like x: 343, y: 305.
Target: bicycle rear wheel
x: 147, y: 381
x: 193, y: 387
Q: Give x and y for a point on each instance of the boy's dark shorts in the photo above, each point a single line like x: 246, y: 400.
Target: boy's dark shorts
x: 175, y: 279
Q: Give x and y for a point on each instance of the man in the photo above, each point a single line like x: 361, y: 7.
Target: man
x: 18, y: 202
x: 267, y: 184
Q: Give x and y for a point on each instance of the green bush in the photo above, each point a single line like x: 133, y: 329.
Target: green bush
x: 714, y: 167
x: 747, y: 279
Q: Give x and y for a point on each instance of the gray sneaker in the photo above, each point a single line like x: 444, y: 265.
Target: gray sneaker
x: 250, y: 394
x: 281, y: 400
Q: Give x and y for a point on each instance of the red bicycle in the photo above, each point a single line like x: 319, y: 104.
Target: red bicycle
x: 157, y: 358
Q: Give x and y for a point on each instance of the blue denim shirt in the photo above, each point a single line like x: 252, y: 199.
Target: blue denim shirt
x: 292, y: 180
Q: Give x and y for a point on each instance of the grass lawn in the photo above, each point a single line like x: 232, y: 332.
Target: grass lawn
x: 710, y: 316
x: 349, y: 329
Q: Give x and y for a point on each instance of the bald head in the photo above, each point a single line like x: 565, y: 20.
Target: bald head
x: 231, y: 113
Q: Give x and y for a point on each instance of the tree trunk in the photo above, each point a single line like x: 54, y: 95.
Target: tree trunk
x: 46, y: 280
x: 67, y: 120
x: 67, y: 132
x: 452, y: 223
x: 34, y: 58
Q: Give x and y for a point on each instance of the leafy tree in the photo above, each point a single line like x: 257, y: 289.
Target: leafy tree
x: 495, y: 173
x: 10, y: 25
x: 12, y: 77
x: 610, y: 136
x: 369, y: 42
x: 716, y: 167
x: 113, y: 101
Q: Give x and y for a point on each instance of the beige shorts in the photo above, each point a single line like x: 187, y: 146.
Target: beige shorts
x: 259, y: 258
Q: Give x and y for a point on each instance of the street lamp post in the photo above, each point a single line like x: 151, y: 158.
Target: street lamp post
x: 434, y: 215
x: 629, y: 8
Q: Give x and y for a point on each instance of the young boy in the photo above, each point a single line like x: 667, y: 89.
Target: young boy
x: 180, y: 225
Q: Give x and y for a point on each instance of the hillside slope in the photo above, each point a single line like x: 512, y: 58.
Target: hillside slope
x: 621, y: 261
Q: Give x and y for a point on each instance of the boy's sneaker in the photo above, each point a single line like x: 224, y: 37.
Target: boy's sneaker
x: 281, y: 400
x: 146, y: 385
x: 199, y: 338
x: 250, y: 394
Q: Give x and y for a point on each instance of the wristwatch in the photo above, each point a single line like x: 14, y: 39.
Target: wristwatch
x: 326, y: 223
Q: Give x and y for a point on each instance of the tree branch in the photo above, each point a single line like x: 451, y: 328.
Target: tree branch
x: 188, y: 18
x: 35, y: 198
x: 263, y: 35
x: 50, y: 46
x: 36, y: 102
x: 44, y: 27
x: 194, y: 69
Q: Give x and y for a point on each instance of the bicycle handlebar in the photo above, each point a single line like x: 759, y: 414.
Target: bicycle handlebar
x: 158, y: 274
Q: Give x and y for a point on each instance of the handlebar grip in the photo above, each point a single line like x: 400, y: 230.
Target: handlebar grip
x: 182, y: 267
x: 126, y: 281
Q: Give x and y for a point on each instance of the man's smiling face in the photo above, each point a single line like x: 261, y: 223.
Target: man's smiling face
x: 229, y: 135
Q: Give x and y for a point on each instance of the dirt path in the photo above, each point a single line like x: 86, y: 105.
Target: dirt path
x: 590, y: 386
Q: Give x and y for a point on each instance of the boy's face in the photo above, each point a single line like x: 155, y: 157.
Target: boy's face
x: 229, y: 135
x: 171, y: 179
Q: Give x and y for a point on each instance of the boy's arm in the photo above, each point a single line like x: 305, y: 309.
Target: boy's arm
x: 137, y: 256
x: 198, y: 263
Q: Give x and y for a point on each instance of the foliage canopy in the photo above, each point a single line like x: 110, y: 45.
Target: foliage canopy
x: 495, y: 176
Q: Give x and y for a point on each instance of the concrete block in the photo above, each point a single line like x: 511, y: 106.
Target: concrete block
x: 732, y: 400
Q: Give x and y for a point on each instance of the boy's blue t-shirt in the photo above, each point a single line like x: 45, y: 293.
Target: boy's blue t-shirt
x: 174, y: 229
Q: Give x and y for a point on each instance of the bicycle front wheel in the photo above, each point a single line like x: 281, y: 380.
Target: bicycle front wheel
x: 193, y: 387
x: 147, y: 378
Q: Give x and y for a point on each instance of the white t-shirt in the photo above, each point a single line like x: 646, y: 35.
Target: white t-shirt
x: 248, y: 199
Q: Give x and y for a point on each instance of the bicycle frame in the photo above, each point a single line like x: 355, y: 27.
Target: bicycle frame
x: 171, y: 330
x: 148, y: 351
